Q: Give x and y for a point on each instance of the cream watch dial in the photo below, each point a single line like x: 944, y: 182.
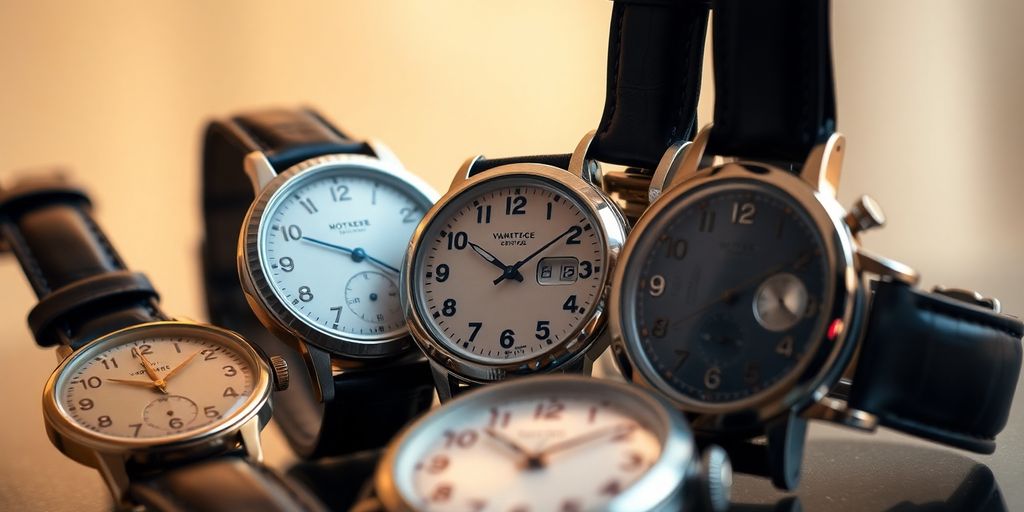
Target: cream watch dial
x: 509, y: 270
x: 546, y: 450
x: 156, y: 386
x: 331, y: 243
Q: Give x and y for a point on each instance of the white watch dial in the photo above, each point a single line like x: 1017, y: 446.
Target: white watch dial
x: 331, y: 244
x: 156, y: 386
x: 546, y: 450
x: 507, y: 272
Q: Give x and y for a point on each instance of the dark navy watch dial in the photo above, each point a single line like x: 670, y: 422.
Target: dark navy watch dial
x: 727, y: 292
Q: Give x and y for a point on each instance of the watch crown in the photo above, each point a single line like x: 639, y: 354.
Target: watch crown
x: 717, y: 476
x: 280, y: 368
x: 865, y: 214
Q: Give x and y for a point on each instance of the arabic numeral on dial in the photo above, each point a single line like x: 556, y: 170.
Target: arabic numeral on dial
x: 437, y: 464
x: 570, y: 304
x: 499, y: 418
x: 175, y: 423
x: 105, y: 421
x: 287, y: 264
x: 675, y: 249
x: 292, y: 232
x: 660, y: 328
x: 549, y: 410
x: 785, y: 347
x: 586, y: 270
x: 137, y: 427
x: 208, y: 354
x: 337, y: 313
x: 507, y: 339
x: 85, y: 404
x: 543, y: 331
x: 448, y: 307
x: 457, y: 241
x: 305, y: 294
x: 229, y: 371
x: 109, y: 363
x: 441, y: 273
x: 409, y: 215
x: 574, y: 236
x: 657, y: 285
x: 751, y: 374
x: 463, y: 439
x: 476, y: 329
x: 340, y: 193
x: 89, y: 383
x: 211, y: 411
x: 483, y: 214
x: 515, y: 205
x: 142, y: 349
x: 743, y: 213
x: 713, y: 377
x: 307, y: 203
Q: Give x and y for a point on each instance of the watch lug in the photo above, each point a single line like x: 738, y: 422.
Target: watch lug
x: 112, y: 468
x: 786, y: 440
x: 318, y: 362
x: 441, y: 383
x: 251, y: 442
x: 691, y: 161
x: 586, y: 168
x: 885, y: 268
x: 259, y: 170
x: 464, y: 171
x: 667, y: 168
x: 824, y: 164
x: 384, y: 153
x: 836, y: 410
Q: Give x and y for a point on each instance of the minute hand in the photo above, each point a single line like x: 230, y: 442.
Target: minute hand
x: 511, y: 271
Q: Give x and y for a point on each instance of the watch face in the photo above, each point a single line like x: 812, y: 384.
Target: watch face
x: 724, y: 292
x: 563, y: 445
x: 157, y: 383
x: 331, y: 243
x: 509, y: 269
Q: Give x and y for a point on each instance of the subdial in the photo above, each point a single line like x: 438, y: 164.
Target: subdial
x: 780, y: 302
x: 170, y: 413
x: 720, y: 340
x: 373, y: 297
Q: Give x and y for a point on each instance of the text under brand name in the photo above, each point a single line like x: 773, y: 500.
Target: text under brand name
x: 350, y: 224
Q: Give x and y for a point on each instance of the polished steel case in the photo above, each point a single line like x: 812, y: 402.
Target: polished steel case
x: 663, y: 488
x: 110, y: 454
x: 822, y: 367
x: 258, y: 292
x: 584, y: 341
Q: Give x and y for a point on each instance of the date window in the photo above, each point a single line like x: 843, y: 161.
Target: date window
x: 557, y: 271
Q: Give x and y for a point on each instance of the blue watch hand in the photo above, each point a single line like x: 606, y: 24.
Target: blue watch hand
x: 358, y: 254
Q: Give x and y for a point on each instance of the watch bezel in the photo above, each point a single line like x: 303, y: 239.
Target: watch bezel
x: 612, y: 228
x: 66, y: 433
x: 264, y: 302
x: 818, y: 371
x: 678, y: 449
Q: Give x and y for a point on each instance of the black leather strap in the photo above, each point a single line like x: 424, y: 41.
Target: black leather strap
x: 655, y: 55
x: 222, y: 484
x: 938, y: 367
x: 83, y: 285
x: 372, y: 403
x: 484, y: 164
x: 774, y: 93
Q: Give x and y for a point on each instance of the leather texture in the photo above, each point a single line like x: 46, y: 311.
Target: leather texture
x: 937, y: 367
x: 484, y: 164
x: 774, y: 92
x: 82, y: 283
x: 339, y: 482
x: 371, y: 403
x: 655, y: 55
x: 224, y: 484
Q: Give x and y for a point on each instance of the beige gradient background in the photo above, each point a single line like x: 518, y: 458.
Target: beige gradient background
x: 931, y: 97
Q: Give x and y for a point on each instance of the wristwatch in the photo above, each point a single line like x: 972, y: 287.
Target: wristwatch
x: 168, y: 411
x: 507, y: 274
x: 318, y: 258
x: 745, y: 296
x: 554, y: 442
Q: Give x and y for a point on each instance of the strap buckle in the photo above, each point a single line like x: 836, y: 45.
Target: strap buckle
x: 970, y: 297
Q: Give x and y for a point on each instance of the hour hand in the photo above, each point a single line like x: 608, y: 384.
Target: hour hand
x: 493, y: 260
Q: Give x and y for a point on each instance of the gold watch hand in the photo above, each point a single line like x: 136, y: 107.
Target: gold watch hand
x: 150, y: 370
x: 530, y: 459
x: 180, y: 366
x: 140, y: 383
x: 613, y: 431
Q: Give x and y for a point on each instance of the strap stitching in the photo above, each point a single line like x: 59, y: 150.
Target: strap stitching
x: 30, y: 262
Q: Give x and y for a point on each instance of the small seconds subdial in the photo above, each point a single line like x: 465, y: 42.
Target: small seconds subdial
x: 328, y: 229
x: 157, y: 385
x: 549, y: 451
x: 510, y: 270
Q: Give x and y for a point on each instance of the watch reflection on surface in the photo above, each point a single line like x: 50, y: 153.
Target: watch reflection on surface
x: 868, y: 476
